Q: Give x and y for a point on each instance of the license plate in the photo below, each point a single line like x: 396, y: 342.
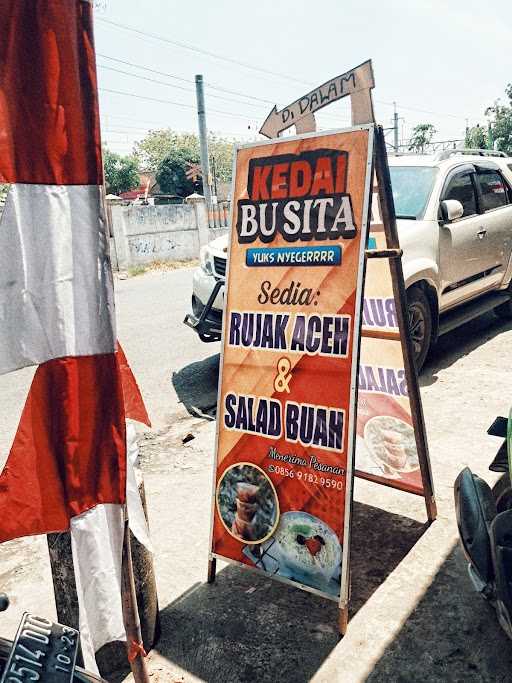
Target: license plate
x: 42, y: 651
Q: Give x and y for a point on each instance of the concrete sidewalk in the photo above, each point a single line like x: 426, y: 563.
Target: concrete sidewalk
x: 414, y: 615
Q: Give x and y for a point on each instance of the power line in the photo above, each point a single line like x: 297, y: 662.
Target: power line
x: 193, y: 48
x: 426, y: 111
x: 246, y: 65
x: 237, y: 92
x: 171, y: 85
x: 136, y: 120
x: 227, y: 90
x: 145, y: 68
x: 143, y: 97
x: 144, y: 78
x: 215, y: 87
x: 176, y: 104
x: 187, y: 80
x: 106, y: 116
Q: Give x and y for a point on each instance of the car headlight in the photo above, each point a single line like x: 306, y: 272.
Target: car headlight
x: 204, y: 260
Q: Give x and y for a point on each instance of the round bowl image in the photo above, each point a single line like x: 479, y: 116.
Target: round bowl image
x: 247, y: 503
x: 308, y: 547
x: 367, y: 462
x: 391, y: 444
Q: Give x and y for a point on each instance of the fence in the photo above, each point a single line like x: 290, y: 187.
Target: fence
x: 145, y: 234
x: 218, y: 216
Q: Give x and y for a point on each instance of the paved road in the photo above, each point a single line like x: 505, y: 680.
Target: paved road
x: 150, y: 311
x: 415, y: 616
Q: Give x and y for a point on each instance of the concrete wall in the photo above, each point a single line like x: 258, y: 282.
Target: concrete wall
x: 144, y: 234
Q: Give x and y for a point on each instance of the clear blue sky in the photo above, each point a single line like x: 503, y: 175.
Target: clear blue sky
x: 451, y: 58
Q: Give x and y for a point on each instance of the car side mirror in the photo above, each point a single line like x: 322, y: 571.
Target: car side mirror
x: 451, y: 209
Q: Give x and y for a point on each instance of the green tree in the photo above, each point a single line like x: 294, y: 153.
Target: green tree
x: 121, y: 173
x: 162, y: 144
x: 422, y: 134
x: 222, y: 150
x: 476, y: 138
x: 171, y: 172
x: 500, y: 129
x: 154, y: 147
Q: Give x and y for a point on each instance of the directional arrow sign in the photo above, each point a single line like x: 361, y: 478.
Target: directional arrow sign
x: 349, y: 83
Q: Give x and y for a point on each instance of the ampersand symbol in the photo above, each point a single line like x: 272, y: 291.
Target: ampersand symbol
x: 283, y: 376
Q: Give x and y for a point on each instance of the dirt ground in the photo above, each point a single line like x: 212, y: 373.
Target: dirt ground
x: 414, y: 615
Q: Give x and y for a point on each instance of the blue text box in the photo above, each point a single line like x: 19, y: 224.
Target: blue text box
x: 328, y: 255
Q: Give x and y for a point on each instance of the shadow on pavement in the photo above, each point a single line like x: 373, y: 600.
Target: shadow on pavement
x: 460, y: 342
x: 196, y: 386
x: 452, y: 635
x: 246, y: 627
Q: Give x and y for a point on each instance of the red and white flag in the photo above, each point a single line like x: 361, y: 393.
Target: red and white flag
x: 67, y: 468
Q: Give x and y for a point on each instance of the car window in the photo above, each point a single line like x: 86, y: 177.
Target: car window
x: 493, y: 189
x: 411, y: 187
x: 461, y: 188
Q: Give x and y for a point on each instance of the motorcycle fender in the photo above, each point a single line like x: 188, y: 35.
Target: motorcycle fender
x: 475, y: 509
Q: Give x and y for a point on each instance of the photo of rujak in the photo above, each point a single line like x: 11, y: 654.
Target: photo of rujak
x: 247, y: 503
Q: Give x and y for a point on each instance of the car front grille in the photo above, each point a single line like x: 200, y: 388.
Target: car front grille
x: 219, y: 265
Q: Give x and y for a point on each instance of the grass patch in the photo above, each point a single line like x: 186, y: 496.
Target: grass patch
x: 142, y: 268
x: 133, y: 271
x: 172, y: 265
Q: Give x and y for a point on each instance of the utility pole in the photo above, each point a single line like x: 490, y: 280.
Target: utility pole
x: 203, y: 140
x: 214, y: 173
x: 395, y: 128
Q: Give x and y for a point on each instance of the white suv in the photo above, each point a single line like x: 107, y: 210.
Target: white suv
x: 454, y: 216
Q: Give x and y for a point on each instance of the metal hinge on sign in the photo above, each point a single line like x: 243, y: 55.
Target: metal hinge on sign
x: 383, y: 253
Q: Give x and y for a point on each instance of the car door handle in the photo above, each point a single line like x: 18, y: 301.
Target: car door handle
x: 482, y: 233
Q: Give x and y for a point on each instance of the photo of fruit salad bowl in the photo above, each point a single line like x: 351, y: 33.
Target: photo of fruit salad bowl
x: 308, y: 550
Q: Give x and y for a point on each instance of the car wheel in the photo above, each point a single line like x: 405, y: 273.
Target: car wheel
x: 420, y: 324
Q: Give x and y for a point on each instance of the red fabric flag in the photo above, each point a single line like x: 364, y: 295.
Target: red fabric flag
x: 67, y: 468
x: 49, y: 117
x: 69, y: 453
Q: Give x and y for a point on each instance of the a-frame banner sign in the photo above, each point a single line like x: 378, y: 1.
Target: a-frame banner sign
x: 391, y: 442
x: 316, y: 377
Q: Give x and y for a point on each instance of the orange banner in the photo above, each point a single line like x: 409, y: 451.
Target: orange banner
x: 286, y: 419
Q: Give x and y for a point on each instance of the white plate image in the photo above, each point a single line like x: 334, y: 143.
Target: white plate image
x: 391, y: 443
x: 365, y: 462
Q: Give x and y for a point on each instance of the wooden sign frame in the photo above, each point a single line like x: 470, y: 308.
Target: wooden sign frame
x: 363, y: 113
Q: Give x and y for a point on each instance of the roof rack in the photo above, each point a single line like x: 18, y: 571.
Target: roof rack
x: 447, y: 153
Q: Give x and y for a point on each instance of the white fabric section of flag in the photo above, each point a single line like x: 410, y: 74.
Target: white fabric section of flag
x: 56, y: 289
x: 97, y: 545
x: 136, y: 516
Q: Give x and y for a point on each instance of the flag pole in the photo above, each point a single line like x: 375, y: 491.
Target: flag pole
x: 134, y: 644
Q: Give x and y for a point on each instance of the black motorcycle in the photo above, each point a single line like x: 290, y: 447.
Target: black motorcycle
x: 42, y: 651
x: 484, y: 518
